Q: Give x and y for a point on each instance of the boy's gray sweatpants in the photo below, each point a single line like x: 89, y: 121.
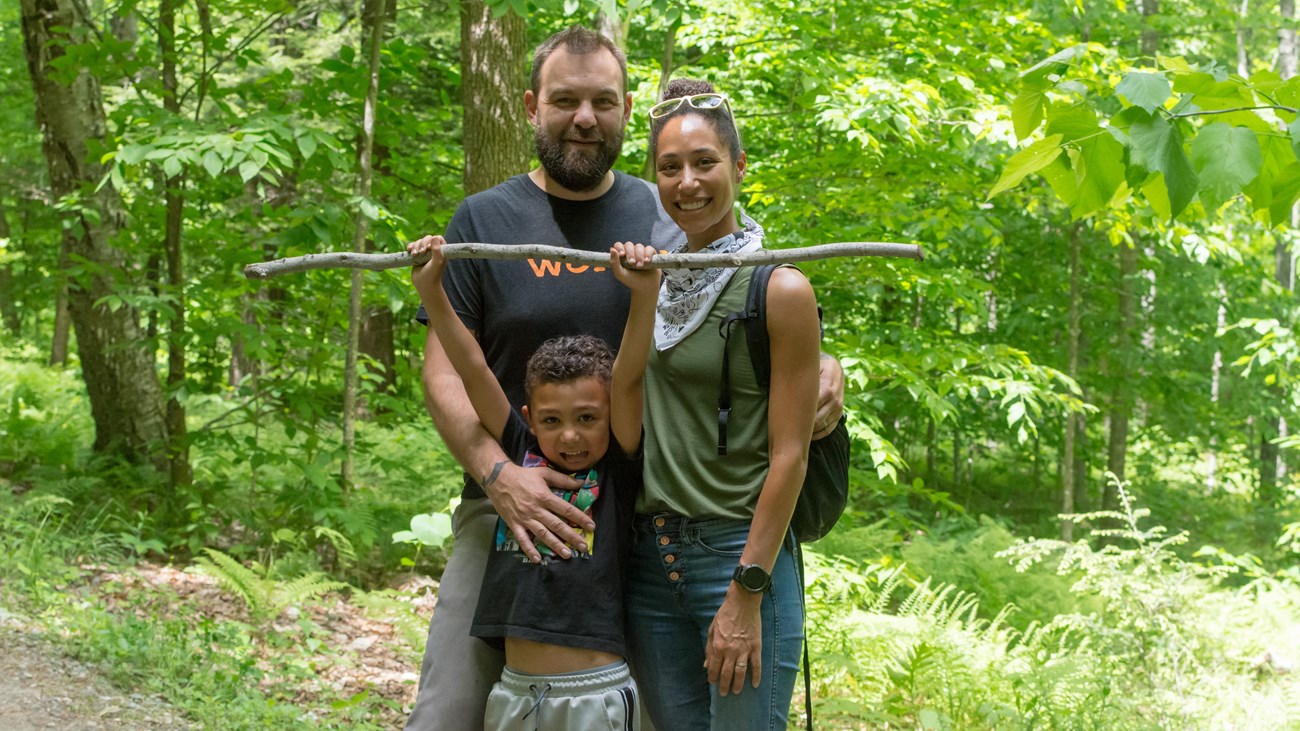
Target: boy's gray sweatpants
x: 458, y: 670
x: 602, y: 698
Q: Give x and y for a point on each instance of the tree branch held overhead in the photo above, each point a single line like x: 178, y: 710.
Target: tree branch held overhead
x: 380, y: 262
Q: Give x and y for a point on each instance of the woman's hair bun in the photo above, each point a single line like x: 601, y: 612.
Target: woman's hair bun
x: 678, y: 88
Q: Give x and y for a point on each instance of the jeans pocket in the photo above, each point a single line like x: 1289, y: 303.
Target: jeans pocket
x: 722, y: 539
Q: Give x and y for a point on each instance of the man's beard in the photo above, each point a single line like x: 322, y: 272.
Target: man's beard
x: 572, y: 168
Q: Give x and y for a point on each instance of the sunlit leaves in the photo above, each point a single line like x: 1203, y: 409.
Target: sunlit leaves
x: 1027, y: 111
x: 1226, y: 158
x: 1145, y: 90
x: 1158, y: 146
x: 1029, y: 160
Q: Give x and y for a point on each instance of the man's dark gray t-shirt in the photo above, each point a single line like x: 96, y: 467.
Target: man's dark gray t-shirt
x: 515, y: 306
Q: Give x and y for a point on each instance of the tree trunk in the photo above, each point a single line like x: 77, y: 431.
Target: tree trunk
x: 62, y: 325
x: 1243, y: 40
x: 284, y: 193
x: 8, y: 297
x: 493, y: 59
x: 1216, y: 376
x: 1271, y: 426
x: 665, y: 75
x: 1123, y: 372
x: 1123, y: 365
x: 612, y: 28
x: 376, y: 342
x: 373, y: 16
x: 118, y: 367
x: 1072, y: 370
x: 178, y: 449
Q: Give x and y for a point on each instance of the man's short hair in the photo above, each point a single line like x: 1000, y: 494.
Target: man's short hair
x: 568, y: 358
x: 580, y: 42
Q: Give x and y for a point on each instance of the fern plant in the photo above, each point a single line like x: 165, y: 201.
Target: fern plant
x: 265, y: 598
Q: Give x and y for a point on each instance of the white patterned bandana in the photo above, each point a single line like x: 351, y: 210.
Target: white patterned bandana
x: 689, y: 294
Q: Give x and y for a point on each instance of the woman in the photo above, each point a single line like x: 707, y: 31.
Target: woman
x: 713, y: 597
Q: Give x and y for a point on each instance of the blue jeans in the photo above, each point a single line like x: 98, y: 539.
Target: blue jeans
x: 678, y: 576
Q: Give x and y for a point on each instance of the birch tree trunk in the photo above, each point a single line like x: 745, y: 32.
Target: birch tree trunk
x: 1272, y: 426
x: 665, y: 75
x: 8, y: 301
x: 1072, y: 370
x: 118, y: 368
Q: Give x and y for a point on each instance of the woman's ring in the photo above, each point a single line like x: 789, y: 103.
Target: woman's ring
x: 742, y: 665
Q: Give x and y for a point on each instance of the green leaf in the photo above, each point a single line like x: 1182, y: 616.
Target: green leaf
x: 431, y: 528
x: 1027, y: 112
x: 1146, y: 90
x: 1061, y: 177
x: 1293, y: 130
x: 1157, y: 196
x: 1286, y: 188
x: 172, y: 166
x: 307, y: 146
x: 1029, y: 160
x: 1158, y: 146
x: 1056, y: 61
x: 248, y: 170
x: 1277, y: 155
x: 1072, y: 123
x: 132, y: 154
x: 212, y: 163
x: 1100, y: 173
x: 1226, y: 159
x: 1015, y: 413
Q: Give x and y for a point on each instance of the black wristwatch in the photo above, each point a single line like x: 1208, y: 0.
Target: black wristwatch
x: 752, y: 578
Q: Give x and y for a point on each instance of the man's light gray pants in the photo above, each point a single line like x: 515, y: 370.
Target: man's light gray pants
x: 458, y: 670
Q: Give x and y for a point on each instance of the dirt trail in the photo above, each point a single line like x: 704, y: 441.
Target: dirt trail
x: 41, y: 688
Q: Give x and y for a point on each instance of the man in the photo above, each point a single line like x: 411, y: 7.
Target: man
x: 579, y: 106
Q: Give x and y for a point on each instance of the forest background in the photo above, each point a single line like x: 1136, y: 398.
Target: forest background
x: 1074, y: 499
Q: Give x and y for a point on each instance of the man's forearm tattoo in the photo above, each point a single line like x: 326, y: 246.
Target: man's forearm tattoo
x: 496, y: 472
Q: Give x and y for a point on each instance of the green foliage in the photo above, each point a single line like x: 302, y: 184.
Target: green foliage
x: 968, y: 560
x: 428, y: 530
x: 44, y: 425
x: 1139, y: 639
x: 1163, y: 628
x: 265, y: 597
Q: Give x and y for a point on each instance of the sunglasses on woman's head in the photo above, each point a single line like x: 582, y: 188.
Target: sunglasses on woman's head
x: 699, y: 101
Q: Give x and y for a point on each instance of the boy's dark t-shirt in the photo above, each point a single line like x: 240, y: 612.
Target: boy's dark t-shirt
x: 574, y: 602
x: 515, y: 306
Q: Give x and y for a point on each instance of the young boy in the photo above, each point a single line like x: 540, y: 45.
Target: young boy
x: 561, y: 620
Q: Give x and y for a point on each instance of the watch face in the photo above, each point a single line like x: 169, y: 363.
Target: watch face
x: 754, y: 578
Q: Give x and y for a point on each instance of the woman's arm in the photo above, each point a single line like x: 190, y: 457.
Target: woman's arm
x: 736, y: 633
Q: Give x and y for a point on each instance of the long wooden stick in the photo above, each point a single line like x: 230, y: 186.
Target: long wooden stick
x: 379, y: 262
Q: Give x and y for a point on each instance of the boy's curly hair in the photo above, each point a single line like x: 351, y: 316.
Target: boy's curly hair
x: 568, y: 358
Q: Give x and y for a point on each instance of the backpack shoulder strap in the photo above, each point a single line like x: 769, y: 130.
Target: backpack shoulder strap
x: 760, y: 347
